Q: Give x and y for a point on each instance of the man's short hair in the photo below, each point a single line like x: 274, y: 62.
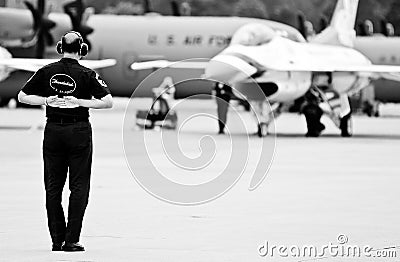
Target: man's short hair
x: 71, y: 42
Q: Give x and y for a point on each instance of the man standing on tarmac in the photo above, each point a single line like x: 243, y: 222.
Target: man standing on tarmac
x: 223, y: 94
x: 68, y: 90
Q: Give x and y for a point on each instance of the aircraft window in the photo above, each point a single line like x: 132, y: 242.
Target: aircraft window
x: 253, y: 35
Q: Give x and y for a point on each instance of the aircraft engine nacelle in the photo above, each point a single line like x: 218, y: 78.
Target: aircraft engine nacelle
x: 289, y: 91
x: 343, y: 82
x: 18, y: 25
x: 277, y: 86
x: 290, y: 85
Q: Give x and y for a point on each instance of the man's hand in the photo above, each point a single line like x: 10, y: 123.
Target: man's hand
x: 54, y: 101
x: 71, y: 102
x: 104, y: 102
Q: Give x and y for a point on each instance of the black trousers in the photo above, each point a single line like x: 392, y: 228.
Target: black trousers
x: 222, y: 111
x: 67, y: 147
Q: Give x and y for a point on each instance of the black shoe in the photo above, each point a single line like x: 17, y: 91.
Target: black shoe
x: 72, y: 247
x: 57, y: 247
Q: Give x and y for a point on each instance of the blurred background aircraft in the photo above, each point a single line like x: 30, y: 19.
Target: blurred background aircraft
x: 127, y: 39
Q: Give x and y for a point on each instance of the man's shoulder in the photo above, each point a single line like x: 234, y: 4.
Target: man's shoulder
x: 53, y: 64
x: 83, y: 68
x: 59, y: 63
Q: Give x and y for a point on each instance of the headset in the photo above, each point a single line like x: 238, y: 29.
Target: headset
x: 76, y: 46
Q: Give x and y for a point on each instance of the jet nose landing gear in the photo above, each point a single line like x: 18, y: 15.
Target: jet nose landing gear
x: 262, y: 130
x: 346, y: 126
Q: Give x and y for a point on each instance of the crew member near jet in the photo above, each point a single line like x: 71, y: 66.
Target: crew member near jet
x: 223, y: 94
x: 68, y: 90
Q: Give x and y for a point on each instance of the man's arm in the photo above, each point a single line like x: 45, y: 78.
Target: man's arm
x: 31, y: 99
x: 40, y: 100
x: 102, y: 103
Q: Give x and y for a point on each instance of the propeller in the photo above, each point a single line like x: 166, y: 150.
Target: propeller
x: 305, y: 27
x: 366, y: 28
x: 79, y: 16
x: 175, y: 8
x: 387, y: 28
x: 301, y: 20
x: 146, y: 6
x: 42, y: 26
x: 323, y: 23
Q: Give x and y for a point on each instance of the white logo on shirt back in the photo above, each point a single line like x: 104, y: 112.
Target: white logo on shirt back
x: 62, y: 83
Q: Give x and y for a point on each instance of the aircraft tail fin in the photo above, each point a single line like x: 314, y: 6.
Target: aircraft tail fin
x: 341, y: 28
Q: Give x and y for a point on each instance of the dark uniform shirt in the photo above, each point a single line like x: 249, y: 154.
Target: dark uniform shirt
x: 66, y: 77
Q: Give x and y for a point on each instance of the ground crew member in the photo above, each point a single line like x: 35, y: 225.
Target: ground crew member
x: 223, y: 94
x: 68, y: 90
x: 313, y: 113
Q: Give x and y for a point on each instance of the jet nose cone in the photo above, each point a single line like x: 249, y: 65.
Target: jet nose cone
x: 228, y: 69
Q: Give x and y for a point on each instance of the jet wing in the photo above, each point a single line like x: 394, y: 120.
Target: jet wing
x: 373, y: 71
x: 32, y: 65
x: 378, y: 69
x: 390, y: 76
x: 155, y: 64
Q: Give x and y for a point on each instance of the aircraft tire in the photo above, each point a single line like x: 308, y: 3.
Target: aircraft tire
x: 262, y: 130
x: 346, y: 126
x: 368, y: 109
x: 376, y: 110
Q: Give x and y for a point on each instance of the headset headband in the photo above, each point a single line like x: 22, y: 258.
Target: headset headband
x: 83, y: 47
x: 76, y: 33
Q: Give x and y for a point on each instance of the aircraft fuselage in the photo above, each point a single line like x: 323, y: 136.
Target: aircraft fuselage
x: 289, y: 66
x: 131, y: 39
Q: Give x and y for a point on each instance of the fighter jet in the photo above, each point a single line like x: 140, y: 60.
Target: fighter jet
x: 327, y: 69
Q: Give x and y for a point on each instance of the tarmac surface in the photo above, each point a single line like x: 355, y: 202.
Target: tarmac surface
x: 316, y: 190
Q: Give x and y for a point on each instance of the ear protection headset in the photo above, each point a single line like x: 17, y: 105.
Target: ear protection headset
x: 76, y: 46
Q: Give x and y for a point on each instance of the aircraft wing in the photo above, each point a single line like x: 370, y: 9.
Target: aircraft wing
x: 155, y: 64
x: 391, y: 76
x: 96, y: 64
x: 379, y: 69
x: 374, y: 71
x: 32, y: 65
